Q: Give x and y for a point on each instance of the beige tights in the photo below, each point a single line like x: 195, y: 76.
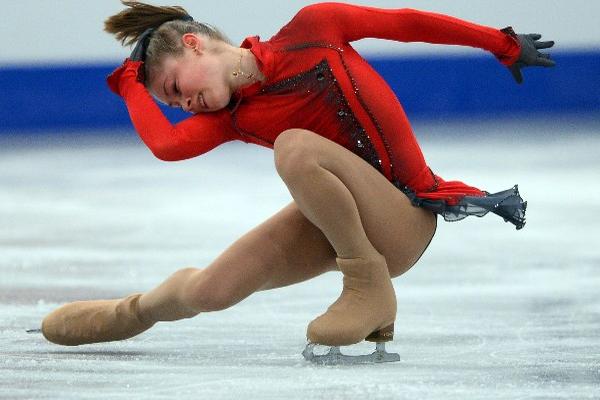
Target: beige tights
x: 343, y: 209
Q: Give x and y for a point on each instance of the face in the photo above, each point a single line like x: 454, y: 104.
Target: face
x: 194, y: 81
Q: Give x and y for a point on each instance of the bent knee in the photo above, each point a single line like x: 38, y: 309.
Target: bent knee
x: 292, y: 149
x: 203, y: 294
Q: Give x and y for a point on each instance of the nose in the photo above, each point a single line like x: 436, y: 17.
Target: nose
x: 187, y: 104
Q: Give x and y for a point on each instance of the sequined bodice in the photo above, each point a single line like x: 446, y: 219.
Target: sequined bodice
x: 332, y: 91
x: 314, y: 101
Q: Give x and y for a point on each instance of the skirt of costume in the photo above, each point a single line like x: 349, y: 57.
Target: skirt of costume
x: 507, y: 204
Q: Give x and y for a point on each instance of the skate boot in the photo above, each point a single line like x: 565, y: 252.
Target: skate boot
x: 85, y: 322
x: 366, y: 310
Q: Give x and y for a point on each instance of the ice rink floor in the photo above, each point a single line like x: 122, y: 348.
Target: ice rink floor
x: 487, y: 313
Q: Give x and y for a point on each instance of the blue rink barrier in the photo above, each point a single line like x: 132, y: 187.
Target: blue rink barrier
x: 75, y: 97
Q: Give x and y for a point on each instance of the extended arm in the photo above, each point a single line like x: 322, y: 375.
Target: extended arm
x: 189, y: 138
x: 347, y: 23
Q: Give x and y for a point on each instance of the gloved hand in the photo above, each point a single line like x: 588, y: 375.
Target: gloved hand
x: 139, y: 51
x: 133, y: 66
x: 529, y: 56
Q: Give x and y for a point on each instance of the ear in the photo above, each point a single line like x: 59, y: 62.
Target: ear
x: 192, y: 41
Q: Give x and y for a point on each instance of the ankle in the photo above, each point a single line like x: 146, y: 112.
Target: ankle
x: 140, y: 312
x: 372, y: 256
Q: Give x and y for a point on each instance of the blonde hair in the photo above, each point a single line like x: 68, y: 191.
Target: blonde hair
x: 128, y: 25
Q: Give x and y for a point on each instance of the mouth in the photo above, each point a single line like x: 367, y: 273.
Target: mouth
x: 201, y: 101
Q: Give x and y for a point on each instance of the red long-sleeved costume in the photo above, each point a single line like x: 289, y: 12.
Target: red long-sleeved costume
x: 315, y: 80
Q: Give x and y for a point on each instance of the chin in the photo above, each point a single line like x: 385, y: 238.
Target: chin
x: 223, y: 103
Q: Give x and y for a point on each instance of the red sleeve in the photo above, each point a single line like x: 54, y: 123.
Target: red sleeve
x: 189, y: 138
x: 347, y: 23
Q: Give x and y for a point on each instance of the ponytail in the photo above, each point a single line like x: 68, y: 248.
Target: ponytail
x: 129, y: 24
x: 169, y: 23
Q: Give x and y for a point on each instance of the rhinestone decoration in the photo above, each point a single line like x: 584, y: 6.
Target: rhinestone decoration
x: 371, y: 115
x: 321, y: 79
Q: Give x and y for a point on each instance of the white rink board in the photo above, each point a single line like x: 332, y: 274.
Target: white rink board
x: 70, y: 31
x: 487, y: 313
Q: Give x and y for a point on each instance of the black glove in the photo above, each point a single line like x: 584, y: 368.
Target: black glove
x: 138, y: 55
x: 530, y: 56
x: 139, y: 51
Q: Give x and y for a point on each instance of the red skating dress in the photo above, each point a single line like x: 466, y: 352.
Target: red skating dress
x: 315, y: 80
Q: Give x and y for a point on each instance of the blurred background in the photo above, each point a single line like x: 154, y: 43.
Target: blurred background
x: 54, y: 58
x: 87, y: 212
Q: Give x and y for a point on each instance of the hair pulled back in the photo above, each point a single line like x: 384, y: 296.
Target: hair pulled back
x: 128, y: 25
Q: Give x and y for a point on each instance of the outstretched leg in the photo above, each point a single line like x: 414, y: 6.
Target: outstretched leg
x: 283, y: 250
x: 369, y: 223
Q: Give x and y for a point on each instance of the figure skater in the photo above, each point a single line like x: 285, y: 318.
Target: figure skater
x: 364, y: 200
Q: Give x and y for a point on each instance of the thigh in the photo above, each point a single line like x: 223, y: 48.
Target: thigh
x: 397, y: 229
x: 285, y: 249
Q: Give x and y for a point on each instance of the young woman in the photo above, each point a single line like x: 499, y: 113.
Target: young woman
x: 364, y: 200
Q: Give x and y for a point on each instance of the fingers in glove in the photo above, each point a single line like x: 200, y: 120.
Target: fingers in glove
x: 515, y: 70
x: 545, y: 62
x: 139, y: 51
x: 544, y: 45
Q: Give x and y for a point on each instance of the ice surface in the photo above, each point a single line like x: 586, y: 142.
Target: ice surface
x: 487, y: 313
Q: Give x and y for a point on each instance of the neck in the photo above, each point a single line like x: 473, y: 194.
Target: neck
x: 244, y: 69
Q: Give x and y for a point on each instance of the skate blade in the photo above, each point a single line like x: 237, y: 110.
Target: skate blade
x: 33, y: 331
x: 336, y: 357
